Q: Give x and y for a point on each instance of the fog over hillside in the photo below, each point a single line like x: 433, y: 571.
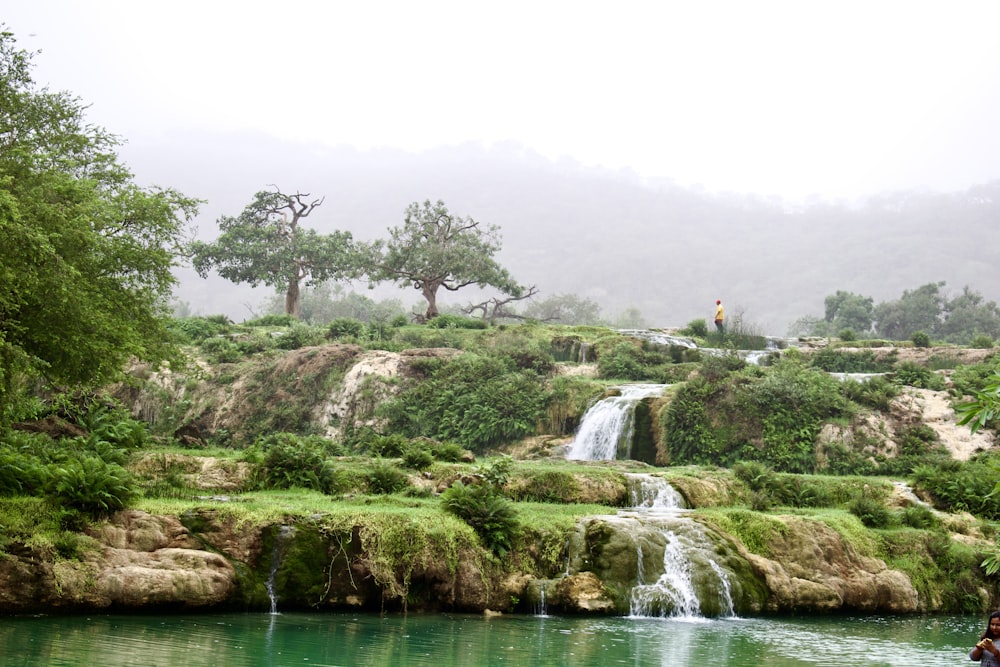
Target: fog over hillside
x: 610, y: 236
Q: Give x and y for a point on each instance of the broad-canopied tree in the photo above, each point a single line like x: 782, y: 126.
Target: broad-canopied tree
x: 435, y: 249
x: 85, y: 254
x: 917, y: 310
x: 846, y: 310
x: 267, y: 244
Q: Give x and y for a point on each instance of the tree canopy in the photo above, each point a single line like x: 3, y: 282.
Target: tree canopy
x: 267, y: 244
x: 926, y: 309
x: 435, y: 249
x: 85, y: 254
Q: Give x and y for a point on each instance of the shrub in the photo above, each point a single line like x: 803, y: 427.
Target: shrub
x: 496, y: 470
x: 298, y: 336
x: 345, y: 327
x: 913, y: 375
x: 697, y: 327
x: 449, y: 452
x: 876, y: 392
x: 197, y: 329
x: 918, y: 516
x: 847, y: 335
x: 273, y: 320
x: 88, y: 484
x: 489, y: 513
x: 448, y: 321
x: 981, y: 342
x: 622, y: 362
x: 418, y: 457
x: 479, y: 401
x: 291, y: 461
x: 255, y: 343
x: 221, y: 350
x: 921, y: 339
x: 385, y: 478
x: 873, y: 513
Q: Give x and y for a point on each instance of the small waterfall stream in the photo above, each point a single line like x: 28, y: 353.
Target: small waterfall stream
x: 281, y: 539
x: 678, y: 573
x: 606, y: 427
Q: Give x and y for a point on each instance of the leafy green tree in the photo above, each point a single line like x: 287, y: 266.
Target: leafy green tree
x: 917, y: 310
x: 845, y: 310
x: 267, y: 244
x: 435, y: 249
x: 86, y: 255
x: 566, y: 309
x: 968, y: 315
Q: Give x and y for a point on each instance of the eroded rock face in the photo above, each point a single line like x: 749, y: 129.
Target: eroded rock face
x: 139, y: 561
x: 813, y: 569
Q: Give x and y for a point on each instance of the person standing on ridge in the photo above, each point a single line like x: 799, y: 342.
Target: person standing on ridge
x: 719, y: 315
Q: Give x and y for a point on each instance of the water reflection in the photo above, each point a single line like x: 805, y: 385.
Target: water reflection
x: 238, y: 640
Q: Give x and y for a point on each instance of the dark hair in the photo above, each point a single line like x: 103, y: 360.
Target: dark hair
x: 986, y: 634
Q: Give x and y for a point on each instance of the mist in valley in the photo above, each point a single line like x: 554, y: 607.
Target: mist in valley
x: 622, y: 241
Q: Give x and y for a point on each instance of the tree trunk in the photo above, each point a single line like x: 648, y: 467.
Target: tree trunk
x: 292, y: 298
x: 430, y: 293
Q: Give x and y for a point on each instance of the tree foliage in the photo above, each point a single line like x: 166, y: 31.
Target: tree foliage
x: 267, y: 244
x: 435, y: 249
x: 85, y: 253
x: 926, y: 309
x: 565, y: 309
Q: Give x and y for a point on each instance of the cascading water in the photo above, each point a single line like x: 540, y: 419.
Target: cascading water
x: 606, y: 427
x: 281, y: 539
x: 652, y: 492
x: 687, y: 580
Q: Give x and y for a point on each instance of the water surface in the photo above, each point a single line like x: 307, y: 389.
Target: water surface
x: 445, y: 640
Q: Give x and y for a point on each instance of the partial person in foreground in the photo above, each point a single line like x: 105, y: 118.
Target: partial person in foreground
x: 986, y: 650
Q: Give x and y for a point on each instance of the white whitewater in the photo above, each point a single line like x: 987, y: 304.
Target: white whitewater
x: 608, y: 424
x: 649, y: 492
x: 672, y: 586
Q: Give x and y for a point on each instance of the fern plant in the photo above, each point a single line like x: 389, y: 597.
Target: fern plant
x: 490, y: 514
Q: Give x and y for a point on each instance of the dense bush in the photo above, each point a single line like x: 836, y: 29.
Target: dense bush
x: 873, y: 513
x: 88, y: 484
x: 914, y: 375
x: 418, y: 457
x: 384, y: 478
x: 478, y: 401
x: 981, y: 342
x: 921, y: 339
x: 876, y: 392
x: 957, y: 486
x: 345, y: 327
x: 298, y: 336
x: 221, y: 351
x: 833, y: 360
x: 489, y: 513
x: 291, y: 461
x: 771, y: 416
x: 272, y: 320
x: 198, y: 329
x: 448, y: 321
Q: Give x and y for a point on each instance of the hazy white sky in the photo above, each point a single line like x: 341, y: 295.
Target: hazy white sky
x: 792, y: 98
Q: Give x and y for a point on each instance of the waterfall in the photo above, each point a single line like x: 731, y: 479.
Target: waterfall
x: 281, y: 539
x: 674, y: 584
x: 607, y: 425
x: 690, y: 582
x: 653, y: 493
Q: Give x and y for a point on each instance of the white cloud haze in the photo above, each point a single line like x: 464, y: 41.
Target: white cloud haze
x: 790, y: 98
